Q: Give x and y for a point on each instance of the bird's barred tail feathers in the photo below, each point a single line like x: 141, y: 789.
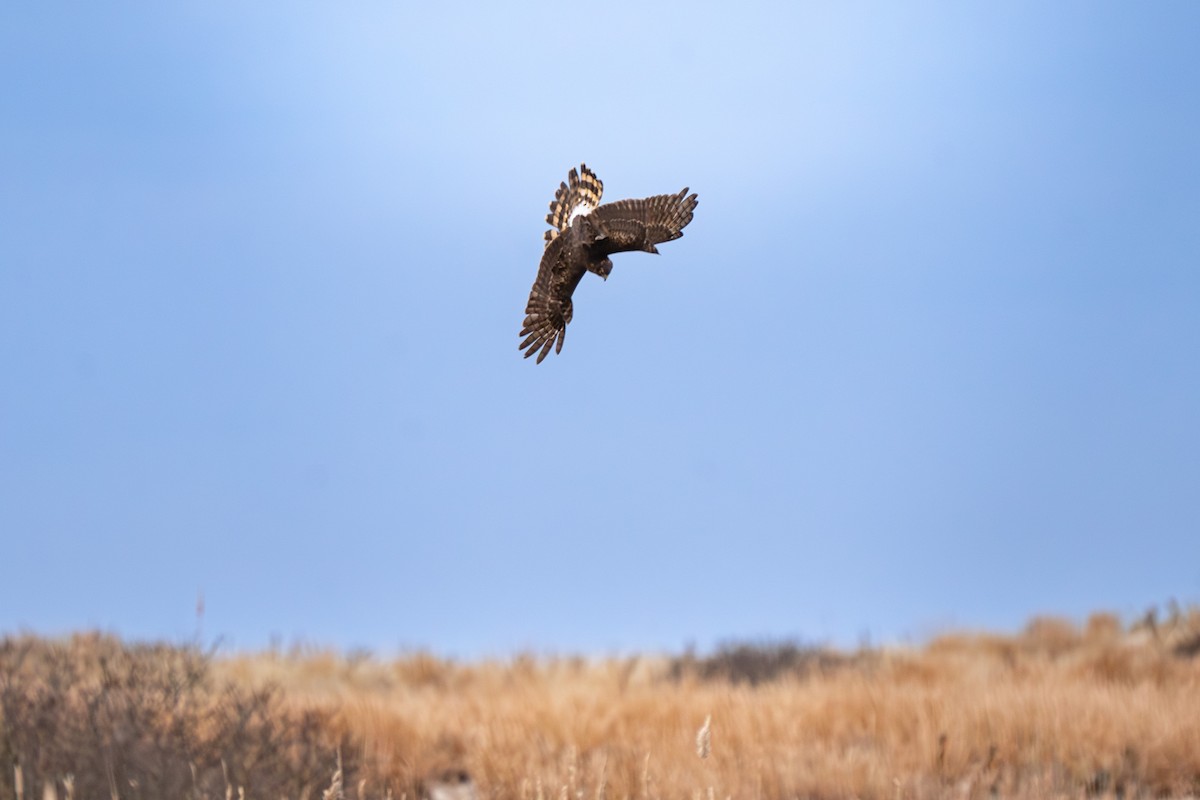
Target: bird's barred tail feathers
x: 581, y: 194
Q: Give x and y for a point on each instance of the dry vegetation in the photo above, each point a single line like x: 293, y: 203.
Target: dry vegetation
x: 1057, y: 710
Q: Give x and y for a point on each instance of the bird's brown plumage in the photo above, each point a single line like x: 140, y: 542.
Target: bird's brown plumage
x: 583, y: 235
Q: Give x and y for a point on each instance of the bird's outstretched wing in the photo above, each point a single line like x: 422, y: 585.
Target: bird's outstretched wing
x: 641, y: 224
x: 549, y: 308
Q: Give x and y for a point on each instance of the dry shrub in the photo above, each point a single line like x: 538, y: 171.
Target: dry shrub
x: 744, y: 662
x: 136, y: 721
x: 1102, y: 628
x: 1051, y: 636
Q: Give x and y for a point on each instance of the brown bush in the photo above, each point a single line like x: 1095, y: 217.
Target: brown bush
x: 134, y: 721
x: 745, y: 662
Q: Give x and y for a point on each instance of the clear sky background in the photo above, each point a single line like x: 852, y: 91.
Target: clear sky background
x: 927, y: 357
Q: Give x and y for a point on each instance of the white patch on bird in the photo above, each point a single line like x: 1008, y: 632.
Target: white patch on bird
x: 580, y: 210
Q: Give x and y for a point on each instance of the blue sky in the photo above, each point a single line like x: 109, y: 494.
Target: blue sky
x: 927, y: 357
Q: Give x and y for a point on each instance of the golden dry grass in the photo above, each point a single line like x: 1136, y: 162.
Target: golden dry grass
x: 1054, y: 711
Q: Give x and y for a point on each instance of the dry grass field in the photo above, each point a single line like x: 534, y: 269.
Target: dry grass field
x: 1058, y: 710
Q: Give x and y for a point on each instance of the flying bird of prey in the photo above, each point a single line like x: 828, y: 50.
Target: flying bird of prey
x: 582, y: 237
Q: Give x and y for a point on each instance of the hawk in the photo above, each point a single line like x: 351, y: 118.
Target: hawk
x: 583, y: 235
